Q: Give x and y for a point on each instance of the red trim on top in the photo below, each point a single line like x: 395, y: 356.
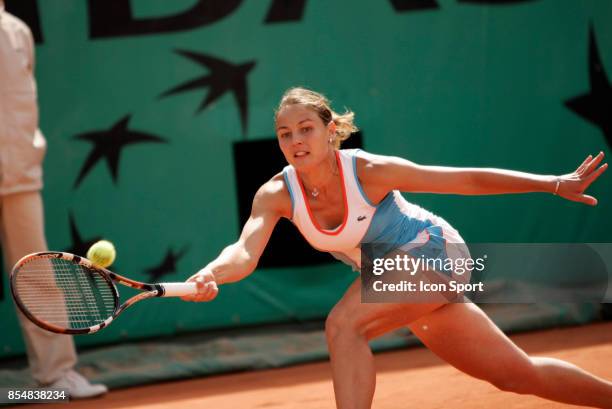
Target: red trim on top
x: 338, y: 229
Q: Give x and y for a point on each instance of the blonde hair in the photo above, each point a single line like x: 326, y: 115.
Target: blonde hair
x: 321, y: 105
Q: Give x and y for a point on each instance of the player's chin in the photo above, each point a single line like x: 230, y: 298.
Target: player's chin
x: 303, y: 163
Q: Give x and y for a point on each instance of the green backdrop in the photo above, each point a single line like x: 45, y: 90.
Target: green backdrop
x: 448, y: 82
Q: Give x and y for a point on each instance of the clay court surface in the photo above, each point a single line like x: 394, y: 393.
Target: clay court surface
x: 411, y: 378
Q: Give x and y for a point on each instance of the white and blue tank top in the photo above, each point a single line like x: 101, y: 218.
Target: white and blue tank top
x: 388, y: 225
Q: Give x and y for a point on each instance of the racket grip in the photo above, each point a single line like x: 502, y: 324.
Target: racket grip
x: 178, y: 289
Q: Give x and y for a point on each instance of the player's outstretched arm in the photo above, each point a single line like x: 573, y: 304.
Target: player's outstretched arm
x: 396, y: 173
x: 239, y: 259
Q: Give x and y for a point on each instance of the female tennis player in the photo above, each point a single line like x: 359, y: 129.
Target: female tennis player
x: 339, y: 199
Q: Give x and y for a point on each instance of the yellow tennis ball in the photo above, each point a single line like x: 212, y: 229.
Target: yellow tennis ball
x: 102, y: 253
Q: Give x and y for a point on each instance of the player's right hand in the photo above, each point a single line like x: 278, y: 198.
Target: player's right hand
x: 206, y: 284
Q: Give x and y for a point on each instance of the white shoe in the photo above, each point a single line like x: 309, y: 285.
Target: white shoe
x: 77, y: 386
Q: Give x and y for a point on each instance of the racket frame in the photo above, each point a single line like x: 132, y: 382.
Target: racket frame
x: 149, y: 291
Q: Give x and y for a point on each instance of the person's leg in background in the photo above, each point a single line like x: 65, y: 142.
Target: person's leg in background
x: 51, y: 357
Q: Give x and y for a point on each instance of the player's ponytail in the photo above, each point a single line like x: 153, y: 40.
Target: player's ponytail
x: 344, y: 126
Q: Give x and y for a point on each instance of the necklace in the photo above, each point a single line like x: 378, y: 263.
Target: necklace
x: 314, y: 192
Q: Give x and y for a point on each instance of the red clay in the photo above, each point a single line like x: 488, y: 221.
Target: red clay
x: 411, y: 378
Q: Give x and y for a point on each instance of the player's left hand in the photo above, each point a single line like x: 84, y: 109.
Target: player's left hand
x: 573, y: 185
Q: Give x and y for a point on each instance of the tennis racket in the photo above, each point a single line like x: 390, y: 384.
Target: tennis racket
x: 68, y: 294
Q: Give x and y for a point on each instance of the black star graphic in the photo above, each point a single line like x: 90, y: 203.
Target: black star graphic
x: 412, y: 5
x: 223, y: 77
x: 596, y: 106
x: 108, y: 144
x: 167, y: 266
x: 79, y: 246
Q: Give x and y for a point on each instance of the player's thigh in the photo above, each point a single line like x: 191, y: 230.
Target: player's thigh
x: 462, y: 335
x: 350, y: 314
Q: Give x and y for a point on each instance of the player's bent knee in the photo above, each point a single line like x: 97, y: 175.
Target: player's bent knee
x: 512, y: 385
x: 339, y: 324
x: 523, y: 380
x: 333, y: 326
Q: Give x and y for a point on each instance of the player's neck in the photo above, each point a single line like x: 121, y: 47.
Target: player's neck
x: 320, y: 177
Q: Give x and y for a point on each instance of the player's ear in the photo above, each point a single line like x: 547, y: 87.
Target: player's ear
x: 331, y: 127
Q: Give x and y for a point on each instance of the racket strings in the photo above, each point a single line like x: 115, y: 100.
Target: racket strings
x: 64, y: 293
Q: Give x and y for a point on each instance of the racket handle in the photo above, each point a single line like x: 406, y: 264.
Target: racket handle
x: 178, y: 289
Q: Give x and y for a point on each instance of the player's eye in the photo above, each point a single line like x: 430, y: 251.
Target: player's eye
x: 306, y: 129
x: 284, y: 135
